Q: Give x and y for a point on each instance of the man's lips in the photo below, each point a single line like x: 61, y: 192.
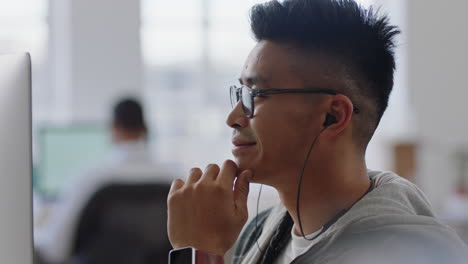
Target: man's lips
x: 240, y: 146
x: 242, y: 143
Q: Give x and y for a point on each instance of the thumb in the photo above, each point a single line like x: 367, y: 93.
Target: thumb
x: 241, y: 190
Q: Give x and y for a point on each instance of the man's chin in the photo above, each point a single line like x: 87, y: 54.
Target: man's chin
x: 258, y: 177
x: 244, y: 164
x: 259, y: 173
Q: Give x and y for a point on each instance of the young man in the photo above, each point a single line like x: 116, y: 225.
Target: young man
x: 312, y: 93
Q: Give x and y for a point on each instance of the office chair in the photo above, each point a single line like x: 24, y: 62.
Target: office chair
x: 124, y: 223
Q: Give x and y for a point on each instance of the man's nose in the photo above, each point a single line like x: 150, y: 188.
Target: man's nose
x: 237, y: 118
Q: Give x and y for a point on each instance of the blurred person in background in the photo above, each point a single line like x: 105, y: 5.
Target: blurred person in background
x: 312, y: 93
x: 130, y: 161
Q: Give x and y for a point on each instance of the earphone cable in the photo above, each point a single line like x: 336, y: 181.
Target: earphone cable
x: 256, y: 217
x: 300, y: 184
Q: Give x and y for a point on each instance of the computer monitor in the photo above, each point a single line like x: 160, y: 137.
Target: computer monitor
x: 66, y: 151
x: 15, y: 159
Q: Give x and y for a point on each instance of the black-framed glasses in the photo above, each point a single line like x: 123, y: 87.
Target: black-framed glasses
x: 247, y: 95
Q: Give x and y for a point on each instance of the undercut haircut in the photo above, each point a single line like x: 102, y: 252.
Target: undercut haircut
x: 359, y: 39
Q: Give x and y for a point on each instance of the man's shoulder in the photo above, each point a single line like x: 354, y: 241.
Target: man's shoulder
x: 424, y: 243
x: 394, y: 220
x: 396, y: 209
x: 382, y: 240
x: 393, y: 195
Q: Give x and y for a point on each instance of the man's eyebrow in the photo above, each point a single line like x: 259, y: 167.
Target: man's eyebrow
x: 250, y: 80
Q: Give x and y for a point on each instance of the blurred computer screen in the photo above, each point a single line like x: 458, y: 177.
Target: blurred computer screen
x: 66, y: 151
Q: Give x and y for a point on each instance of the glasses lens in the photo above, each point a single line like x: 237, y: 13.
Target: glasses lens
x: 234, y: 96
x: 247, y: 102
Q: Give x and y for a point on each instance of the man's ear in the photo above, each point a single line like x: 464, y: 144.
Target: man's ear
x: 338, y: 116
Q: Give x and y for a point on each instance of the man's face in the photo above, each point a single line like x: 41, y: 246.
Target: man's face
x: 276, y: 140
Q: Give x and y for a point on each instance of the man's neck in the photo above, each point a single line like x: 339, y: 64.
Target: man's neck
x: 325, y: 192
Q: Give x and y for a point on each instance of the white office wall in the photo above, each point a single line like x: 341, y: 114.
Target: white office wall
x: 396, y: 125
x: 24, y: 28
x: 96, y: 58
x: 438, y: 56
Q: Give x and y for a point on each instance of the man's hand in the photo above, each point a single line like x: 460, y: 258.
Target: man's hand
x: 208, y: 211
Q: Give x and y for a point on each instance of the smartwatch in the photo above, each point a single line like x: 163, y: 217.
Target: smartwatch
x: 190, y: 255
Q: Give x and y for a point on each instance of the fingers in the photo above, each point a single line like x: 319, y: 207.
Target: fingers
x: 241, y: 190
x: 211, y: 173
x: 176, y: 185
x: 228, y: 174
x: 194, y: 175
x: 224, y: 176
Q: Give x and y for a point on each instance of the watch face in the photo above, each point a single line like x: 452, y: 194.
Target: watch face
x: 181, y: 256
